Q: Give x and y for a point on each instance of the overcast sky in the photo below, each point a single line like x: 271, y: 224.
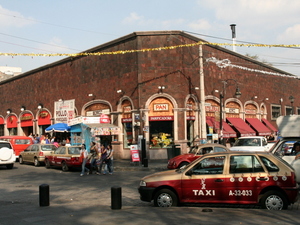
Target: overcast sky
x: 71, y: 26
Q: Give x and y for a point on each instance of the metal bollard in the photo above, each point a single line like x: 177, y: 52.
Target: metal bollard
x: 44, y: 195
x: 145, y: 162
x: 116, y: 198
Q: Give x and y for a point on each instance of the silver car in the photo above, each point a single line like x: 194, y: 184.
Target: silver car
x: 36, y: 153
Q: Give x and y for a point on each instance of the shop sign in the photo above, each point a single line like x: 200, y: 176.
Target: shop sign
x: 161, y: 107
x: 250, y: 111
x: 135, y: 156
x: 232, y: 110
x: 212, y: 108
x: 64, y: 111
x: 126, y: 120
x: 43, y: 114
x: 161, y: 118
x: 97, y: 112
x: 26, y: 118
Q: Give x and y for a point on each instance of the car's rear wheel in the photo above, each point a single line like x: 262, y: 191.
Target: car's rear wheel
x: 183, y: 164
x: 274, y: 200
x: 165, y: 198
x: 47, y: 163
x: 36, y: 162
x: 64, y: 167
x: 10, y: 166
x: 21, y: 160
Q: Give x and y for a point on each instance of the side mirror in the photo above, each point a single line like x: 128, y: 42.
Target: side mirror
x: 189, y: 173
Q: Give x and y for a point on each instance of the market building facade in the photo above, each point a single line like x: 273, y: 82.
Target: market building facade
x: 176, y: 91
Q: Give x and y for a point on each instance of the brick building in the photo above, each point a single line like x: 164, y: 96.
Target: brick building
x: 166, y: 95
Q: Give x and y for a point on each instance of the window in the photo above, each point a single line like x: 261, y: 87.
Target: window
x: 288, y: 111
x: 245, y: 164
x: 271, y: 167
x: 128, y: 138
x: 212, y: 165
x: 276, y: 109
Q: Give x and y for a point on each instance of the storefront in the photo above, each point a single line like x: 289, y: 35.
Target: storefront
x: 12, y: 124
x: 26, y: 123
x: 43, y: 121
x: 161, y: 123
x: 127, y: 124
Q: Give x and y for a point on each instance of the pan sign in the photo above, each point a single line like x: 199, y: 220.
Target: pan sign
x: 160, y: 107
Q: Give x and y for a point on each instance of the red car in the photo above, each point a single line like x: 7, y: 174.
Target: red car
x: 251, y: 178
x: 195, y: 152
x: 64, y: 157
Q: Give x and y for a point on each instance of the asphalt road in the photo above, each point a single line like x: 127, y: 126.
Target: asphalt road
x: 87, y: 200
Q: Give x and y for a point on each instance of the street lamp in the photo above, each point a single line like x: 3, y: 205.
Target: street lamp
x: 222, y: 95
x: 292, y: 99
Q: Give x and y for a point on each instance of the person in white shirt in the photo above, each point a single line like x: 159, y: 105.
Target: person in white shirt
x: 84, y: 155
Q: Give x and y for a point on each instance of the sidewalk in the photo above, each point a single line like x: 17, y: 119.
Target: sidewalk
x: 128, y: 165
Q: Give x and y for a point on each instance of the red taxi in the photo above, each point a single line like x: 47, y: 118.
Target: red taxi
x: 64, y: 157
x: 228, y: 178
x: 195, y: 153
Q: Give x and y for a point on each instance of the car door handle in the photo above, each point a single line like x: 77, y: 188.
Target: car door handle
x: 262, y: 178
x: 219, y: 180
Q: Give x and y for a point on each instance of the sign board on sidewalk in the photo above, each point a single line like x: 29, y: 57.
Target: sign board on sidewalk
x: 135, y: 155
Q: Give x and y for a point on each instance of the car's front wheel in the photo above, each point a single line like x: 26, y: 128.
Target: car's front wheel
x: 36, y: 162
x: 21, y: 160
x: 274, y: 200
x: 165, y: 198
x: 64, y: 167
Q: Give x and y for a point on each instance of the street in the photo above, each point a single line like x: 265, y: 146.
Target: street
x: 87, y: 200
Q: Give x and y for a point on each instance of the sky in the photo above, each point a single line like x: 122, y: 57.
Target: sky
x: 72, y: 26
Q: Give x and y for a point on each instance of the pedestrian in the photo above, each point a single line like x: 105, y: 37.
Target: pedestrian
x: 109, y: 160
x: 102, y: 158
x: 84, y: 155
x: 93, y: 157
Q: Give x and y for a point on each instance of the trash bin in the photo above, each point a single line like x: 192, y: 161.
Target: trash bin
x: 173, y: 151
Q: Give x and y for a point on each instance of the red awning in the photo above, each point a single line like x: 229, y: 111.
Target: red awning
x: 242, y: 127
x: 228, y: 132
x: 268, y: 124
x: 257, y: 125
x: 209, y: 121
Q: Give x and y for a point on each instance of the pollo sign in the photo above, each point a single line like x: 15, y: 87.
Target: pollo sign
x: 64, y: 111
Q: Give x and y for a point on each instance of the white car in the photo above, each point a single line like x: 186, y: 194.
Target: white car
x: 7, y: 155
x: 252, y: 143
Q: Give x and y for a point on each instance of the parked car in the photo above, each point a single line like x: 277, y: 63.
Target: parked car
x: 226, y: 178
x: 36, y: 153
x: 252, y: 143
x: 7, y: 154
x: 194, y: 153
x: 289, y: 135
x: 64, y: 157
x: 19, y: 143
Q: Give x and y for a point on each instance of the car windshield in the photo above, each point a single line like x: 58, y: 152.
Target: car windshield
x: 48, y: 147
x: 74, y: 150
x: 248, y: 142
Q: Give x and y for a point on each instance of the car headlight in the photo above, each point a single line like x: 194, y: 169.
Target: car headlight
x: 143, y: 183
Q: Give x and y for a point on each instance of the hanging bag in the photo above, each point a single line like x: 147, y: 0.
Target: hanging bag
x: 81, y: 157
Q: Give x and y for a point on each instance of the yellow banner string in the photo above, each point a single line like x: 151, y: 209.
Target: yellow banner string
x: 147, y: 49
